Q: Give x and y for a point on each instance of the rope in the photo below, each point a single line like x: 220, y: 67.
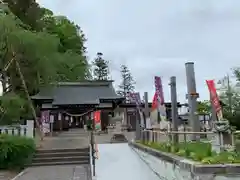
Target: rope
x: 78, y: 115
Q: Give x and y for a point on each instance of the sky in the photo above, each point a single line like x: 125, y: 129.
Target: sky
x: 157, y: 38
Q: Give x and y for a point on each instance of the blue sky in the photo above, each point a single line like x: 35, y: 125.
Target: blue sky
x: 157, y: 37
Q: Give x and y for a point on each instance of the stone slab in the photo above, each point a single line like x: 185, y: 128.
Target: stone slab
x: 186, y: 164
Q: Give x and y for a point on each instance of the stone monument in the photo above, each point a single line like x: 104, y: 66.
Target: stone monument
x: 223, y: 136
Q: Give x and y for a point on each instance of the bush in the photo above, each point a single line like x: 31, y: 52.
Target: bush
x: 15, y: 151
x: 13, y: 108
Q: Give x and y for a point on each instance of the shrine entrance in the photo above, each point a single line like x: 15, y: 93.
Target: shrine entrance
x: 70, y: 104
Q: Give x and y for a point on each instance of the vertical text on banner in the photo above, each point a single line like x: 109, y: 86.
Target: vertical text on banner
x: 160, y: 97
x: 135, y: 98
x: 214, y: 98
x: 97, y: 119
x: 45, y: 122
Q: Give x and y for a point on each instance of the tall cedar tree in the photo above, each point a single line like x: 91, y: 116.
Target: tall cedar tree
x: 28, y: 11
x: 100, y: 68
x: 48, y: 49
x: 127, y: 84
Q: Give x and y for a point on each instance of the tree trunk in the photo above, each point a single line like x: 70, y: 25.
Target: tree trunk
x: 4, y: 82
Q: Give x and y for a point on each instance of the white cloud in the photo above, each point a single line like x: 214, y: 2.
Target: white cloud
x: 157, y: 37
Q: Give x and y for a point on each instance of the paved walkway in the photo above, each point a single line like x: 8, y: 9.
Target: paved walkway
x: 120, y: 162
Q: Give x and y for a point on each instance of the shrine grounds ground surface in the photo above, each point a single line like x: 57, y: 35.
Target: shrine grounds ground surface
x: 75, y: 138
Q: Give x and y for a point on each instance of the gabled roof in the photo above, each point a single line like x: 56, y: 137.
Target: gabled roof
x: 85, y: 92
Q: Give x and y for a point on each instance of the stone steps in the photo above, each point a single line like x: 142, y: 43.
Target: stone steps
x: 61, y: 157
x: 59, y: 154
x: 60, y: 163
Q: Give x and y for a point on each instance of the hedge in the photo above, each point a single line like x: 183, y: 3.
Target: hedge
x: 16, y: 152
x: 196, y: 151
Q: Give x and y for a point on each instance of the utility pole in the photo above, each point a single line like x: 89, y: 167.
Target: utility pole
x: 192, y: 96
x: 226, y: 86
x: 174, y: 108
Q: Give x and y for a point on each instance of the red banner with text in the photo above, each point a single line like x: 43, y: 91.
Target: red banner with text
x: 97, y: 119
x: 214, y: 98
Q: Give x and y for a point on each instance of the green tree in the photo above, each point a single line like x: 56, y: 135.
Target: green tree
x: 34, y: 52
x: 11, y: 109
x: 48, y: 53
x: 100, y: 68
x: 204, y: 107
x: 28, y: 11
x: 70, y: 36
x: 72, y: 41
x: 229, y: 94
x: 127, y: 83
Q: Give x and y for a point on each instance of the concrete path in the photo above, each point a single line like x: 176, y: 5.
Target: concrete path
x: 120, y: 162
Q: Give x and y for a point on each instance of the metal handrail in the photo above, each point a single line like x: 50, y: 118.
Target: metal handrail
x: 93, y: 153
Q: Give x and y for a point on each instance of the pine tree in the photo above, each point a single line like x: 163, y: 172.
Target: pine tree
x: 100, y: 68
x: 127, y: 84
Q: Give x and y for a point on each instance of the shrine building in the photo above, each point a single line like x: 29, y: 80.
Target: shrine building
x: 70, y: 103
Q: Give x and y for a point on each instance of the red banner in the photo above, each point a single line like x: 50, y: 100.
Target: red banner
x: 155, y: 102
x: 97, y: 117
x: 214, y: 98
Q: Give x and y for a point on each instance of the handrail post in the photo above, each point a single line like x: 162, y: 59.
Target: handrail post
x: 92, y: 145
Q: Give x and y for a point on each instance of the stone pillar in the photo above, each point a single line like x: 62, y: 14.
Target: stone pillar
x: 192, y: 96
x: 174, y: 108
x: 30, y: 129
x: 138, y: 130
x: 146, y: 110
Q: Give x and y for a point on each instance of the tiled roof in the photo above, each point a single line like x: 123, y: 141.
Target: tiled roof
x: 87, y: 92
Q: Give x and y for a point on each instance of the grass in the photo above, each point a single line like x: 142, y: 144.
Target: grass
x: 196, y: 151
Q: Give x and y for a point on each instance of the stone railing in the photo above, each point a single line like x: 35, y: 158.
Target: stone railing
x: 19, y: 130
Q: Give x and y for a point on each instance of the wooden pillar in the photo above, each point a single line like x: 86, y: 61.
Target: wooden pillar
x: 60, y: 121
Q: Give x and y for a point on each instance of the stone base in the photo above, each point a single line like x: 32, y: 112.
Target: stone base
x: 118, y: 138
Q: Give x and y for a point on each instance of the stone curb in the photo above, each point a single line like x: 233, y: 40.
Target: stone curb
x: 186, y: 164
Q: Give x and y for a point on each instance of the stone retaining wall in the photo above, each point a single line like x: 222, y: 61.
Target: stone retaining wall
x: 188, y: 165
